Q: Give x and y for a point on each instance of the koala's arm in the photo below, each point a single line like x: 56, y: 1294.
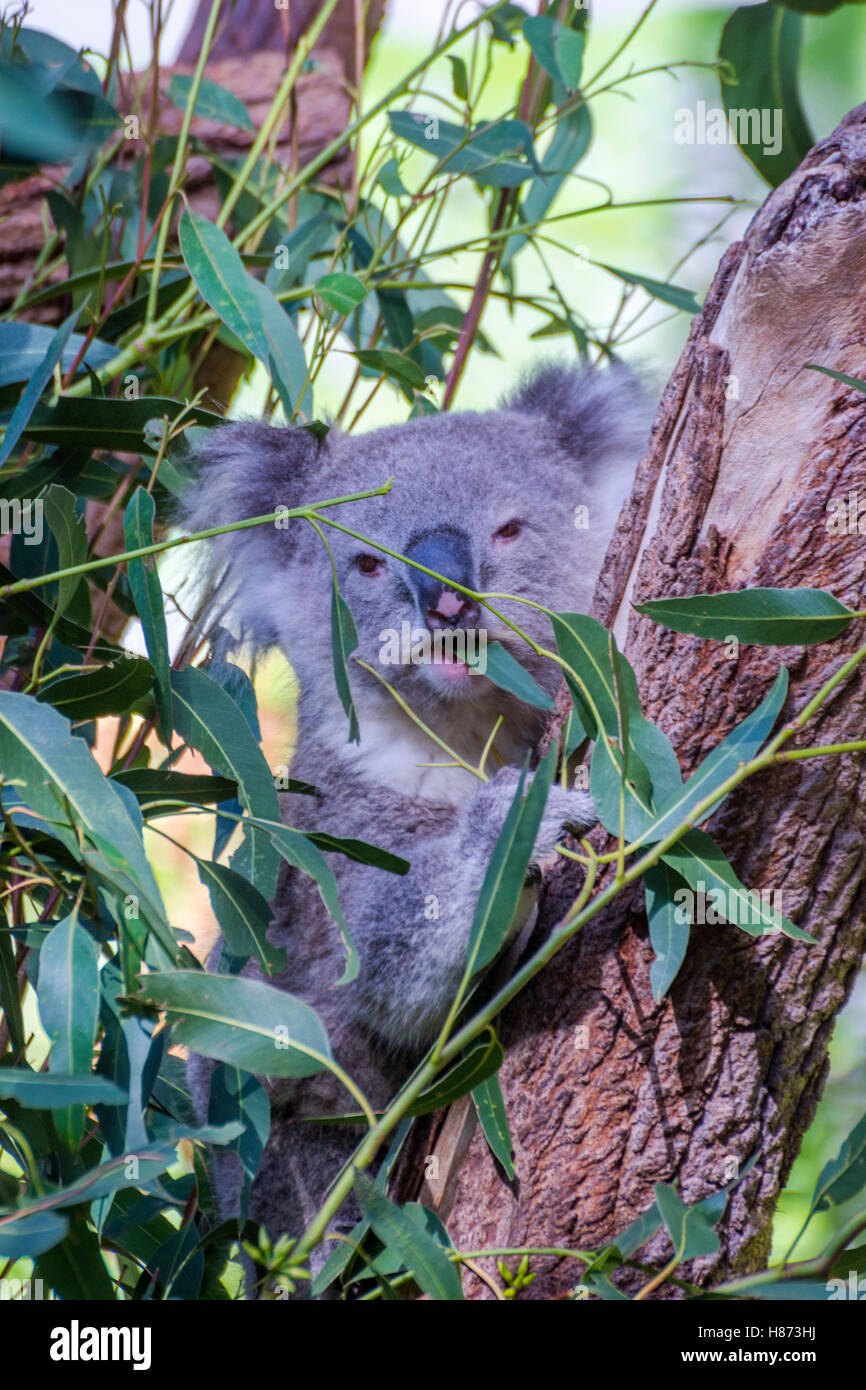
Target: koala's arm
x: 413, y: 933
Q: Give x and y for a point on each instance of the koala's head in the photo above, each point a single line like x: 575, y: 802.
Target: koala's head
x: 519, y: 500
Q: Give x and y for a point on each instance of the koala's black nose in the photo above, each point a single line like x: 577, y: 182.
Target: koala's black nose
x: 448, y: 552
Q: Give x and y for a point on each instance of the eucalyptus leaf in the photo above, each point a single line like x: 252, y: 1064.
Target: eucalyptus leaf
x: 688, y: 1227
x: 213, y: 102
x: 39, y: 379
x: 760, y: 45
x: 245, y: 1023
x: 768, y: 617
x: 222, y: 281
x: 669, y: 934
x: 506, y: 671
x: 147, y: 593
x: 208, y: 719
x: 111, y: 689
x: 69, y: 1009
x: 420, y: 1252
x: 490, y: 1108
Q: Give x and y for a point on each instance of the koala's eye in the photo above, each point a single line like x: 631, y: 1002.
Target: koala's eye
x: 509, y: 531
x: 369, y: 564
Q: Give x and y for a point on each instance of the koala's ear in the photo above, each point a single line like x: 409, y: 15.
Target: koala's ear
x: 599, y: 413
x: 246, y: 470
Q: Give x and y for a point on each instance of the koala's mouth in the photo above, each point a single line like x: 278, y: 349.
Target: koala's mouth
x: 451, y: 671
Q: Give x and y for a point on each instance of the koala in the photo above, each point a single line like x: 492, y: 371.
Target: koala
x: 489, y: 501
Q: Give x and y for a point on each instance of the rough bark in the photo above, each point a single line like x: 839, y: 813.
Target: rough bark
x: 249, y: 24
x: 747, y: 450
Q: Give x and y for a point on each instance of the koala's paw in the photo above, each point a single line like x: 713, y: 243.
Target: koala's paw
x: 566, y: 812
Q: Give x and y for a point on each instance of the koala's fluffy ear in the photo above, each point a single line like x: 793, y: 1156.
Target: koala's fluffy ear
x: 246, y: 470
x: 599, y: 414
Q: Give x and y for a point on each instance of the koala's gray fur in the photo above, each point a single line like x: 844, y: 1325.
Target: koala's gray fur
x: 567, y: 437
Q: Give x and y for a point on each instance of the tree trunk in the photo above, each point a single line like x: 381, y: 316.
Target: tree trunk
x: 248, y: 24
x: 747, y: 451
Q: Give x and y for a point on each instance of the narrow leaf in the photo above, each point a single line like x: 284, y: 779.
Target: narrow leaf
x: 490, y: 1107
x: 434, y: 1272
x: 35, y: 386
x: 147, y: 595
x: 769, y: 617
x: 246, y: 1023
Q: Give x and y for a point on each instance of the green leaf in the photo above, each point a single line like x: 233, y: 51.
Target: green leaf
x: 29, y: 1236
x: 112, y: 424
x: 221, y: 280
x: 344, y: 640
x: 762, y: 45
x: 48, y: 1090
x: 296, y: 848
x: 490, y: 1107
x: 768, y: 617
x: 243, y: 914
x: 669, y: 935
x: 24, y: 347
x: 389, y: 179
x: 569, y: 46
x: 433, y: 1271
x: 638, y: 1232
x: 10, y: 999
x: 788, y: 1291
x: 213, y: 103
x: 666, y: 294
x: 538, y: 30
x: 75, y: 1269
x: 705, y: 869
x: 481, y: 153
x: 392, y: 364
x: 360, y: 851
x: 852, y: 1259
x: 58, y: 777
x: 481, y: 1060
x: 153, y: 786
x: 505, y: 670
x: 388, y: 1261
x: 813, y: 6
x: 246, y: 1023
x: 854, y: 381
x: 558, y: 49
x: 459, y: 78
x: 741, y: 744
x: 652, y: 770
x: 284, y: 358
x: 69, y: 532
x: 506, y: 872
x: 33, y: 390
x: 147, y: 595
x: 209, y: 720
x: 237, y: 1096
x: 69, y: 1009
x: 343, y: 292
x: 688, y: 1227
x: 570, y: 142
x: 845, y: 1175
x: 111, y: 689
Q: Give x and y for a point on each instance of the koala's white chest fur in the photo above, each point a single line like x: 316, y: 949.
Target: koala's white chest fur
x: 395, y: 753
